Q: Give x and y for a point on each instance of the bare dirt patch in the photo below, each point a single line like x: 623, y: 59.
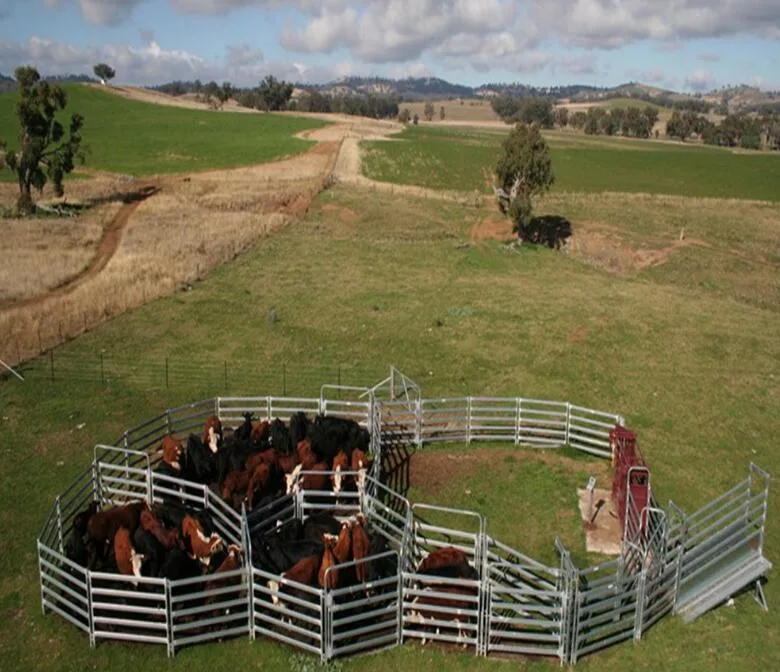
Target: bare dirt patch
x: 601, y: 524
x: 492, y: 227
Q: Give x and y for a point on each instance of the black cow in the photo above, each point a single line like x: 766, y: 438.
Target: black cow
x: 279, y: 437
x: 154, y: 554
x: 201, y: 463
x: 299, y: 428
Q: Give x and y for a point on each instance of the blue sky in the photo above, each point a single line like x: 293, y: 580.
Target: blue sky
x: 692, y: 45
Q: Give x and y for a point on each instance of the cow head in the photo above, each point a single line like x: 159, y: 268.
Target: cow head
x: 172, y: 450
x: 273, y: 587
x: 213, y: 440
x: 291, y: 479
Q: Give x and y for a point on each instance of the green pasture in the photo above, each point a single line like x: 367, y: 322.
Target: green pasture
x: 131, y: 137
x: 463, y: 160
x: 691, y: 359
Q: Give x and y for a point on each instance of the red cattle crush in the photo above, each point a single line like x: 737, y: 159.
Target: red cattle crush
x: 631, y: 475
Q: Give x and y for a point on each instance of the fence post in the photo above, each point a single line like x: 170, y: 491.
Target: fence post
x: 418, y: 422
x: 169, y: 618
x: 90, y: 610
x: 468, y: 420
x: 59, y: 524
x: 640, y: 599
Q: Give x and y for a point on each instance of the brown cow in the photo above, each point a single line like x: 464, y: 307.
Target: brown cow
x: 360, y: 546
x: 340, y: 464
x: 260, y: 431
x: 327, y: 579
x: 230, y: 563
x: 343, y: 546
x: 168, y: 538
x: 304, y: 571
x: 212, y: 433
x: 235, y: 482
x: 128, y: 562
x: 268, y: 457
x: 443, y: 557
x: 203, y: 547
x: 258, y: 481
x: 457, y: 610
x: 102, y: 526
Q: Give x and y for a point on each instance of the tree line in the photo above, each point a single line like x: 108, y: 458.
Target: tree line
x: 735, y: 130
x: 632, y: 122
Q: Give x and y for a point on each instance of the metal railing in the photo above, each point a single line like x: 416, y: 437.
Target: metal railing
x: 515, y: 605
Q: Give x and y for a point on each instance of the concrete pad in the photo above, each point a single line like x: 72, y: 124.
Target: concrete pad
x: 602, y: 530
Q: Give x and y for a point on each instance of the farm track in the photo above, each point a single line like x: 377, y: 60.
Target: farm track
x: 105, y: 251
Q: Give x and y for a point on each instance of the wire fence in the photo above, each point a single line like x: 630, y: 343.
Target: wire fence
x: 210, y: 374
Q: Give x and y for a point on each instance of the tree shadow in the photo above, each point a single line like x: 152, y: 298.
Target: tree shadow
x: 550, y: 230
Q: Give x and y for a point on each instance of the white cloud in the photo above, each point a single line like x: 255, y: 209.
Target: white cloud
x: 102, y: 12
x: 411, y: 70
x: 152, y: 64
x: 708, y: 56
x: 700, y: 81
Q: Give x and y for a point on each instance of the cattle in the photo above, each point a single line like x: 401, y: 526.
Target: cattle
x: 299, y: 427
x: 268, y: 456
x: 342, y: 549
x: 172, y: 450
x: 167, y: 538
x: 442, y: 557
x: 128, y: 561
x: 232, y: 456
x: 314, y: 479
x: 103, y: 526
x: 244, y: 431
x: 340, y: 464
x: 201, y: 466
x: 319, y: 524
x: 260, y: 432
x: 434, y: 606
x: 75, y: 547
x: 360, y: 546
x: 325, y: 578
x: 259, y: 481
x: 203, y: 547
x: 151, y: 549
x: 304, y: 571
x: 231, y: 562
x: 178, y: 565
x: 276, y: 556
x: 279, y: 437
x: 235, y: 483
x: 212, y: 433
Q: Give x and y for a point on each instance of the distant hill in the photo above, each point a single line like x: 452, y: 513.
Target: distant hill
x: 8, y: 84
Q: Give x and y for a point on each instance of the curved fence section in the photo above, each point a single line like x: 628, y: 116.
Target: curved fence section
x: 511, y: 604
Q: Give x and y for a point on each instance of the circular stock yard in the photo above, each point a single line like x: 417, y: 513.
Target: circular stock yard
x: 317, y: 546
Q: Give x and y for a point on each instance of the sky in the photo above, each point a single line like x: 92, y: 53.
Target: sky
x: 684, y: 45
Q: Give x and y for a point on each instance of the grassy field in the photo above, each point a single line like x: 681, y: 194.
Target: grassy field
x: 684, y: 350
x: 127, y: 136
x: 463, y: 159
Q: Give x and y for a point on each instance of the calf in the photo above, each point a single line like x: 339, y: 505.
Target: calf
x: 127, y: 560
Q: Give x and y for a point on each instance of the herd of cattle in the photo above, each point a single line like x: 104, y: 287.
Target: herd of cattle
x: 253, y: 464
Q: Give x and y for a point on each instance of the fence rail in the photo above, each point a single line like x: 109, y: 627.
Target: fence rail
x: 513, y: 605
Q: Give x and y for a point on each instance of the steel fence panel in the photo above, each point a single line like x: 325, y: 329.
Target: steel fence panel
x: 166, y: 488
x: 63, y: 587
x: 266, y: 518
x: 364, y: 616
x: 214, y: 606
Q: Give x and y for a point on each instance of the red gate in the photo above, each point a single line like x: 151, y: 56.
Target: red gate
x: 630, y: 483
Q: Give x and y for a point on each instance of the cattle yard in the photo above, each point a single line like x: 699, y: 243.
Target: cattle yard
x: 508, y: 604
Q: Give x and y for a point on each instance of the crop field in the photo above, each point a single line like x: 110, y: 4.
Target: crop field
x: 463, y: 159
x: 131, y: 137
x: 686, y: 350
